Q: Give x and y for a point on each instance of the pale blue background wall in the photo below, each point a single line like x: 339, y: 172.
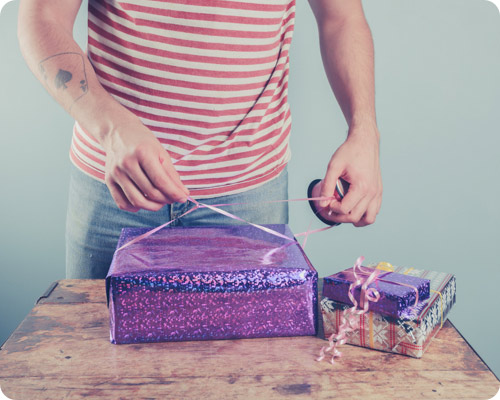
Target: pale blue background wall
x: 438, y: 102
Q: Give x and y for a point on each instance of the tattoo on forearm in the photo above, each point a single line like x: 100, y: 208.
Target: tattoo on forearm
x: 62, y: 78
x: 59, y: 72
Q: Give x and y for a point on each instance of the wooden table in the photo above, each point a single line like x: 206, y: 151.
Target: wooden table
x: 62, y: 351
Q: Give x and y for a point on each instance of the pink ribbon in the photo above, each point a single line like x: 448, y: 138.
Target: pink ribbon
x: 232, y: 216
x: 350, y: 316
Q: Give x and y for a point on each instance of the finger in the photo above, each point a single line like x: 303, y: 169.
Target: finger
x: 329, y: 183
x: 359, y: 210
x: 135, y: 196
x: 360, y: 214
x: 120, y: 198
x: 173, y: 174
x: 329, y: 215
x: 370, y: 214
x: 349, y: 202
x: 145, y: 186
x: 161, y: 180
x: 354, y: 215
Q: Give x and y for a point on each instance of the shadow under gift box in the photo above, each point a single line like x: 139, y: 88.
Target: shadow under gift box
x: 202, y: 283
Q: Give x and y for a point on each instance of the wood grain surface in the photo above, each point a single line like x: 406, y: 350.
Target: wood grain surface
x: 62, y: 351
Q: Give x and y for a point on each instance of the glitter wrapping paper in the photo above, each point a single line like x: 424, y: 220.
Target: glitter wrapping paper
x: 202, y: 283
x: 394, y: 298
x: 410, y: 334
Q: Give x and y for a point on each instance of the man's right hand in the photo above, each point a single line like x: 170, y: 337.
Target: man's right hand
x: 139, y: 171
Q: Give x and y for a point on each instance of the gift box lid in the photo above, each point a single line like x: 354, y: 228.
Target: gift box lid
x: 442, y: 296
x: 397, y: 291
x: 211, y: 259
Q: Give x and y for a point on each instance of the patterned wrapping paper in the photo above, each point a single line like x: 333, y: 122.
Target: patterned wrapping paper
x: 409, y: 335
x: 395, y: 296
x: 202, y: 283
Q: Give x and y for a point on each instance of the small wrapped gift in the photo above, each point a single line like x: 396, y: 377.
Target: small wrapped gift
x: 397, y: 291
x: 409, y: 334
x: 201, y: 283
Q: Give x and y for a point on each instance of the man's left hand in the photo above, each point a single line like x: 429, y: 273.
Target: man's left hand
x: 357, y: 162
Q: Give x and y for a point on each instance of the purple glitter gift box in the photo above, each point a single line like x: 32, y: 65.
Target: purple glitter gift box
x: 394, y: 297
x: 202, y: 283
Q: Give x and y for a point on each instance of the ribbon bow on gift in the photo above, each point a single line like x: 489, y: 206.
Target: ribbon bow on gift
x: 350, y: 318
x: 349, y: 321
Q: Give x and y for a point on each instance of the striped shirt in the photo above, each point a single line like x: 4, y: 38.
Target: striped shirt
x: 208, y: 77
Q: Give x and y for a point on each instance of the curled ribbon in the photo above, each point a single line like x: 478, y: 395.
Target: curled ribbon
x: 349, y: 321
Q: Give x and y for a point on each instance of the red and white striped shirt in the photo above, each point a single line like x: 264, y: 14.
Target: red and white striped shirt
x: 208, y: 77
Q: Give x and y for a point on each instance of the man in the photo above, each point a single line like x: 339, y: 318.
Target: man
x: 178, y: 99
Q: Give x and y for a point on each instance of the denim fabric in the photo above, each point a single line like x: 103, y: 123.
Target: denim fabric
x: 94, y: 222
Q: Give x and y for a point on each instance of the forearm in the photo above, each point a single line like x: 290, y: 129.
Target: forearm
x: 65, y: 71
x: 347, y: 52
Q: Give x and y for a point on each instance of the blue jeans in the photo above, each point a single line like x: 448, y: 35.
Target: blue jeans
x: 94, y: 222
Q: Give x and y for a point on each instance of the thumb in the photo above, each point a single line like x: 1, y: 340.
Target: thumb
x: 329, y: 183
